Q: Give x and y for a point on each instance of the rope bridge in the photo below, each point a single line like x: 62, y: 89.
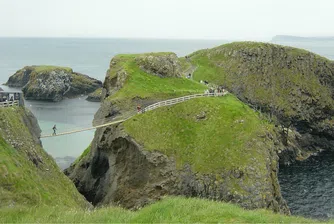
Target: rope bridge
x: 148, y: 108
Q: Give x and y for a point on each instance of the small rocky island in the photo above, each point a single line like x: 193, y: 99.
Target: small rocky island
x: 52, y: 83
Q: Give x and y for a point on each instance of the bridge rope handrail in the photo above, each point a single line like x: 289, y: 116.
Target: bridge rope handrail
x: 148, y: 108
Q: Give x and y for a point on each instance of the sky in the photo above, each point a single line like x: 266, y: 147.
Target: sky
x: 177, y: 19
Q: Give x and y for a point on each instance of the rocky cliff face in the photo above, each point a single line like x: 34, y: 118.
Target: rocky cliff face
x: 119, y: 170
x: 52, y: 83
x: 292, y: 86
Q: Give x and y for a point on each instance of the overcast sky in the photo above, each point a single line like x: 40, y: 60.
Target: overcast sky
x: 195, y: 19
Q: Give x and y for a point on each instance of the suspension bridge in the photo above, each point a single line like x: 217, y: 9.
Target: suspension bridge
x: 148, y: 108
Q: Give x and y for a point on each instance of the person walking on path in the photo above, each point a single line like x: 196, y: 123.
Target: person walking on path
x: 54, y: 130
x: 138, y: 109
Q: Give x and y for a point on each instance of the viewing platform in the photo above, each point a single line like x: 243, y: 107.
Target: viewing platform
x: 11, y: 98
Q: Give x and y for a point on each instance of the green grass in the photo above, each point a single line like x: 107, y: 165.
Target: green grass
x: 215, y: 144
x: 168, y: 210
x: 47, y: 68
x: 143, y: 85
x: 87, y: 150
x: 21, y: 182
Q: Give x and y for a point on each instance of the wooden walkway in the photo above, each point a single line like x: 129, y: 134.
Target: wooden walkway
x: 151, y: 107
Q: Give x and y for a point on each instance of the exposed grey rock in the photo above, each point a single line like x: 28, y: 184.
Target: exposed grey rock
x: 160, y: 64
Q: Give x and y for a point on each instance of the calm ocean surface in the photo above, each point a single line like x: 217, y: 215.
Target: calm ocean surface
x: 308, y: 187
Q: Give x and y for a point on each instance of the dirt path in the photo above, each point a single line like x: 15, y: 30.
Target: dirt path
x: 190, y: 70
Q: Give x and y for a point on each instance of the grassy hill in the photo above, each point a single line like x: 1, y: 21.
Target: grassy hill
x: 127, y: 82
x: 283, y: 79
x: 28, y: 175
x: 168, y: 210
x: 213, y: 134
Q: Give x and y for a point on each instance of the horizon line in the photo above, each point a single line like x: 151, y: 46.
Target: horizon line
x: 143, y: 38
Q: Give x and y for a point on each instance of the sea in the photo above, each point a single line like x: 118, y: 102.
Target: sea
x: 307, y: 186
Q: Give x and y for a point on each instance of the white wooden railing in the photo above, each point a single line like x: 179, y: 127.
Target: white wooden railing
x: 9, y: 103
x: 180, y: 100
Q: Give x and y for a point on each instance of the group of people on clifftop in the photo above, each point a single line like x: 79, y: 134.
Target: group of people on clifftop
x: 217, y: 91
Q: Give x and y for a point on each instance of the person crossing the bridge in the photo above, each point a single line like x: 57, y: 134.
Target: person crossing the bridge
x: 54, y: 130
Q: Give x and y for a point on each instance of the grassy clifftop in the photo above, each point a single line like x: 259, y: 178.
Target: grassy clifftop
x: 28, y: 175
x: 211, y: 134
x: 287, y: 81
x: 127, y: 80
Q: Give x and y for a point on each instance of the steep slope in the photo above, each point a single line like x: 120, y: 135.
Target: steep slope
x: 216, y: 148
x: 52, y: 83
x: 293, y: 86
x: 28, y: 175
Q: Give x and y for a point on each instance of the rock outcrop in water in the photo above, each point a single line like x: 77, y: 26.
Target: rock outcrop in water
x: 95, y: 96
x: 52, y: 83
x: 294, y: 87
x: 122, y: 168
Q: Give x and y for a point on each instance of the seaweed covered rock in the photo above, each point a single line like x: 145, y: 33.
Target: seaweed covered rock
x: 52, y: 83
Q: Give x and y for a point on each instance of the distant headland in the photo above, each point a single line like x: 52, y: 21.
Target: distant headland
x: 278, y: 38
